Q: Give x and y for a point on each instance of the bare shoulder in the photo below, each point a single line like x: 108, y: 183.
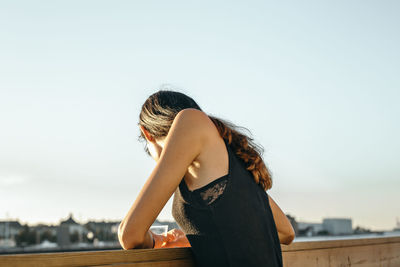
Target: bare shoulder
x: 197, y: 126
x: 194, y: 115
x: 195, y: 120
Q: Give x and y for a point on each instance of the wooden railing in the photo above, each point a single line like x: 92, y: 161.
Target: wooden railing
x: 374, y: 252
x: 384, y: 251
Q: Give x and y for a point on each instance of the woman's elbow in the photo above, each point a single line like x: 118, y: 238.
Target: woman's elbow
x: 289, y: 239
x: 290, y: 235
x: 286, y: 238
x: 125, y: 244
x: 126, y: 240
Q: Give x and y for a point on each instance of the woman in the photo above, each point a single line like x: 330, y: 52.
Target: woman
x: 220, y: 182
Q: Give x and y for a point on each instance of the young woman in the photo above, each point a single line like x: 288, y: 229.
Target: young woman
x: 220, y: 182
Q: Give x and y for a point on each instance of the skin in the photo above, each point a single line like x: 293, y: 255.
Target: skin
x: 193, y: 150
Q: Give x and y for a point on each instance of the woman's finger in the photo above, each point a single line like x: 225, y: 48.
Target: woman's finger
x: 173, y: 235
x: 159, y: 240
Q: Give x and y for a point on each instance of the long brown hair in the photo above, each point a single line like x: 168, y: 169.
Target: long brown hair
x: 158, y: 113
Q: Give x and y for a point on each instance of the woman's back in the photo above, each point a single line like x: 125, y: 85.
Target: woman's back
x: 228, y: 222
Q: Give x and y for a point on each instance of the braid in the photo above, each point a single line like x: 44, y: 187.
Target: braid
x: 246, y: 150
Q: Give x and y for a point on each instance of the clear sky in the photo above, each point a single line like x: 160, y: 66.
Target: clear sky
x: 316, y: 82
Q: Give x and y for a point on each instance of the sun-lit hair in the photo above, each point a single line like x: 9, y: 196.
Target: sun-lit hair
x: 158, y: 113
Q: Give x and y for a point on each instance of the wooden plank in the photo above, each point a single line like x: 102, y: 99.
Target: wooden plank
x: 95, y: 257
x: 173, y: 263
x: 382, y: 255
x: 311, y: 245
x: 381, y: 252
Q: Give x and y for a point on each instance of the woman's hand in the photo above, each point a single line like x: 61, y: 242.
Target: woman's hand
x: 175, y: 238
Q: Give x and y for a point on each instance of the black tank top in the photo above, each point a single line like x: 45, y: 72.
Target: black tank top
x: 228, y: 222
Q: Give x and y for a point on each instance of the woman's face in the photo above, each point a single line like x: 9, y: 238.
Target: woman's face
x: 154, y: 146
x: 154, y: 149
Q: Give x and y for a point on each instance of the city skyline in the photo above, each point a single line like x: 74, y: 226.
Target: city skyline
x: 315, y: 83
x: 158, y: 220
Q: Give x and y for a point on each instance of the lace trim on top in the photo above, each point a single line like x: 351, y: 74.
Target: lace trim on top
x: 211, y: 194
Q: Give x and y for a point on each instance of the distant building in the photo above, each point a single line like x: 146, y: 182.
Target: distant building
x: 104, y: 231
x: 44, y: 227
x: 68, y: 229
x: 329, y: 226
x: 338, y: 226
x: 8, y: 231
x: 63, y: 238
x: 309, y: 229
x: 44, y: 232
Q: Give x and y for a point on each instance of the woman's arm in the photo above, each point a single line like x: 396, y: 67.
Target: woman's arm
x: 285, y: 229
x: 183, y: 144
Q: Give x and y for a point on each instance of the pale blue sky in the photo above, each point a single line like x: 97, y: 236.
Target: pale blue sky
x: 316, y: 82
